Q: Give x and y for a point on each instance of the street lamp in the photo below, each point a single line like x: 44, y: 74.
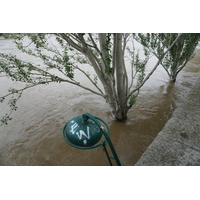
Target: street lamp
x: 85, y: 131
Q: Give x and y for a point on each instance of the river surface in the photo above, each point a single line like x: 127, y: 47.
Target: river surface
x: 33, y: 137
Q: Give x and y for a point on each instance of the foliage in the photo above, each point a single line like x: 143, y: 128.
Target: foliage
x: 178, y: 56
x: 61, y: 55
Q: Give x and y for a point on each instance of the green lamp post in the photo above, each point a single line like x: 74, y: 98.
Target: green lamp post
x: 85, y: 131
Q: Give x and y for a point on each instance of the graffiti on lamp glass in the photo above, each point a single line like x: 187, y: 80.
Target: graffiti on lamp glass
x: 80, y: 133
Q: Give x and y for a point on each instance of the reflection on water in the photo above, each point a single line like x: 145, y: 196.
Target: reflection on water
x: 34, y: 137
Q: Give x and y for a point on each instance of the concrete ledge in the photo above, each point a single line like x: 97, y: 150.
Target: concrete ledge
x: 179, y: 141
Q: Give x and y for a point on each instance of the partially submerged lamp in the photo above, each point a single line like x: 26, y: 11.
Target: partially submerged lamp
x: 85, y: 131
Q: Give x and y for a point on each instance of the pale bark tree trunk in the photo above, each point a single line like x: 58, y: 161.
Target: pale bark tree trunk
x: 120, y: 78
x: 116, y: 94
x: 178, y: 48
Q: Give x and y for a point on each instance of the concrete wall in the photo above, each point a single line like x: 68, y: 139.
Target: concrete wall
x: 178, y: 144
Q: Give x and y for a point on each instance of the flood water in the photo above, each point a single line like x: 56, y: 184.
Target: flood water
x: 33, y: 137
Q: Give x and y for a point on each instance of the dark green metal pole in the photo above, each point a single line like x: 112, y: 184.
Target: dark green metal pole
x: 112, y: 148
x: 87, y: 115
x: 104, y: 146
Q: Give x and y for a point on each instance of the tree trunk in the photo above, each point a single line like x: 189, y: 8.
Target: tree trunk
x: 120, y: 69
x: 114, y: 94
x: 118, y: 111
x: 120, y: 107
x: 172, y: 78
x: 177, y: 48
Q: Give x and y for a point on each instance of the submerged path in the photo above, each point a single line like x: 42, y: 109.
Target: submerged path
x: 178, y: 144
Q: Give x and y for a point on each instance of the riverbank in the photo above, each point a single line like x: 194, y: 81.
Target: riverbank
x: 178, y: 144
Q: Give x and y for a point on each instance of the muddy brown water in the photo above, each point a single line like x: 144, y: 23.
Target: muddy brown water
x: 33, y: 137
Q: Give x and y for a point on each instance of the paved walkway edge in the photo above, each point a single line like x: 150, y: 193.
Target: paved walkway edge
x: 178, y: 144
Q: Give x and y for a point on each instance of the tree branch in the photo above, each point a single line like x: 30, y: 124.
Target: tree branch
x: 77, y: 84
x: 89, y: 78
x: 71, y: 42
x: 155, y: 67
x: 94, y: 44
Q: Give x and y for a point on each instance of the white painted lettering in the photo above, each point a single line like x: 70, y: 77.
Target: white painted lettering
x: 82, y: 133
x: 74, y: 127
